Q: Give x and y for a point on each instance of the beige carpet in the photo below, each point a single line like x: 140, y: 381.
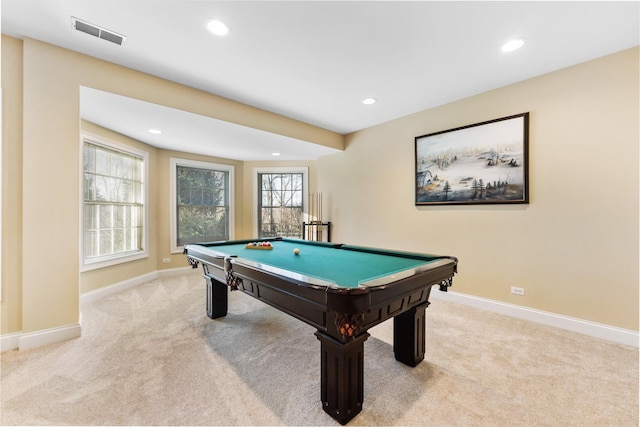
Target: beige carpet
x: 150, y: 356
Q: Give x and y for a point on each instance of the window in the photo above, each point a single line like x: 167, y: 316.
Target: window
x: 201, y: 202
x: 114, y: 211
x: 281, y: 201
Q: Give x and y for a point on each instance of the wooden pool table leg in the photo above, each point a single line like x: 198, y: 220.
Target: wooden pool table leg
x: 409, y: 335
x: 342, y: 376
x: 217, y: 298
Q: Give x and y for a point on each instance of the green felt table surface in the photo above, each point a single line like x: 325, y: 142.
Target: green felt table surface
x: 343, y: 267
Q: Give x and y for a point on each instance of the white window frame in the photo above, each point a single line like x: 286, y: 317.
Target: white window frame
x: 280, y: 169
x: 119, y: 258
x: 173, y: 199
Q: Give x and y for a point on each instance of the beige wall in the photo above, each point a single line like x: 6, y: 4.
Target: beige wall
x: 41, y: 287
x: 11, y: 309
x: 574, y: 248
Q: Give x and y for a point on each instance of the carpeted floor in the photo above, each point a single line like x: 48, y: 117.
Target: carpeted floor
x: 150, y: 356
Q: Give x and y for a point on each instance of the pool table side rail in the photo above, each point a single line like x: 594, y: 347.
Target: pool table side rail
x: 383, y: 281
x: 403, y: 254
x: 266, y: 239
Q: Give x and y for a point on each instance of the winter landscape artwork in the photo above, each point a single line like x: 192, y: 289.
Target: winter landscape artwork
x: 477, y: 164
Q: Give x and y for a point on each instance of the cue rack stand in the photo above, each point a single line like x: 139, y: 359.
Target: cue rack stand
x: 315, y: 228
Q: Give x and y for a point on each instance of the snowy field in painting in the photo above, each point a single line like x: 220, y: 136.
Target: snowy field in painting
x: 483, y: 163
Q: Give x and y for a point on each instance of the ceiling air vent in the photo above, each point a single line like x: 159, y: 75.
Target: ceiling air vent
x: 96, y: 31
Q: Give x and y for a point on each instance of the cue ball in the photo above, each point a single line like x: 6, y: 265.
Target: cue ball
x: 296, y: 251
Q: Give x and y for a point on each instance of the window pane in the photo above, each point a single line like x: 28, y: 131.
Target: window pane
x: 297, y: 199
x: 200, y: 178
x: 105, y: 242
x: 184, y: 195
x: 137, y: 217
x: 127, y: 168
x: 208, y: 197
x: 90, y: 241
x: 196, y: 196
x: 266, y: 198
x: 89, y: 187
x: 116, y: 165
x: 119, y: 213
x: 89, y: 159
x: 119, y: 240
x: 297, y: 182
x: 101, y: 192
x: 138, y: 171
x: 266, y: 184
x: 102, y: 162
x: 219, y: 198
x: 89, y: 217
x: 139, y: 186
x: 104, y: 218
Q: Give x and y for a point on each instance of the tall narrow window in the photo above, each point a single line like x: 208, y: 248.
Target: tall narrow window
x: 202, y: 202
x: 280, y: 204
x: 113, y: 203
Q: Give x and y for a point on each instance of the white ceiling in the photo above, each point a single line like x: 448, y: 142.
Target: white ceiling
x: 191, y: 133
x: 316, y: 61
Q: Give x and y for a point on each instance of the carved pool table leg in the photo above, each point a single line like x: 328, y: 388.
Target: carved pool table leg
x: 341, y: 376
x: 409, y: 335
x: 216, y: 298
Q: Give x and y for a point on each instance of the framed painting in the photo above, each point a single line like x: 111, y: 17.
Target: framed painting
x: 483, y: 163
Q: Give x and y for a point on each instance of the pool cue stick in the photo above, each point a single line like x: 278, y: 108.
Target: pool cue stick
x: 320, y: 217
x: 310, y: 215
x: 315, y: 216
x: 319, y: 230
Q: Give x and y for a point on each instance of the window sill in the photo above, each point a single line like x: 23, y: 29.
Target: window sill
x: 109, y: 262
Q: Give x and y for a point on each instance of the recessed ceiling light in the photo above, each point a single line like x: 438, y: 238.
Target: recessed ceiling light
x: 512, y: 45
x: 155, y: 131
x: 218, y: 27
x: 275, y: 154
x: 369, y: 101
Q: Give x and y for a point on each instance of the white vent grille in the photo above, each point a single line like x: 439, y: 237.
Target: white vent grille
x: 96, y: 31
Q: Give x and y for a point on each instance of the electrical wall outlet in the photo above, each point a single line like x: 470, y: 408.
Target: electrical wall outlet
x: 166, y: 260
x: 517, y: 291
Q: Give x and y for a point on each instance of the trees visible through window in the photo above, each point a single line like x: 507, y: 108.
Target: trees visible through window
x: 202, y: 204
x: 113, y: 203
x: 280, y: 204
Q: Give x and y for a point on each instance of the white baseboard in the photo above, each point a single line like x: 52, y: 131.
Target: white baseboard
x: 597, y: 330
x: 116, y: 287
x: 10, y: 341
x: 130, y: 283
x: 48, y: 336
x: 179, y: 271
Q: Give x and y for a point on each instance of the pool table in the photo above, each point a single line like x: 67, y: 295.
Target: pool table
x: 339, y: 289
